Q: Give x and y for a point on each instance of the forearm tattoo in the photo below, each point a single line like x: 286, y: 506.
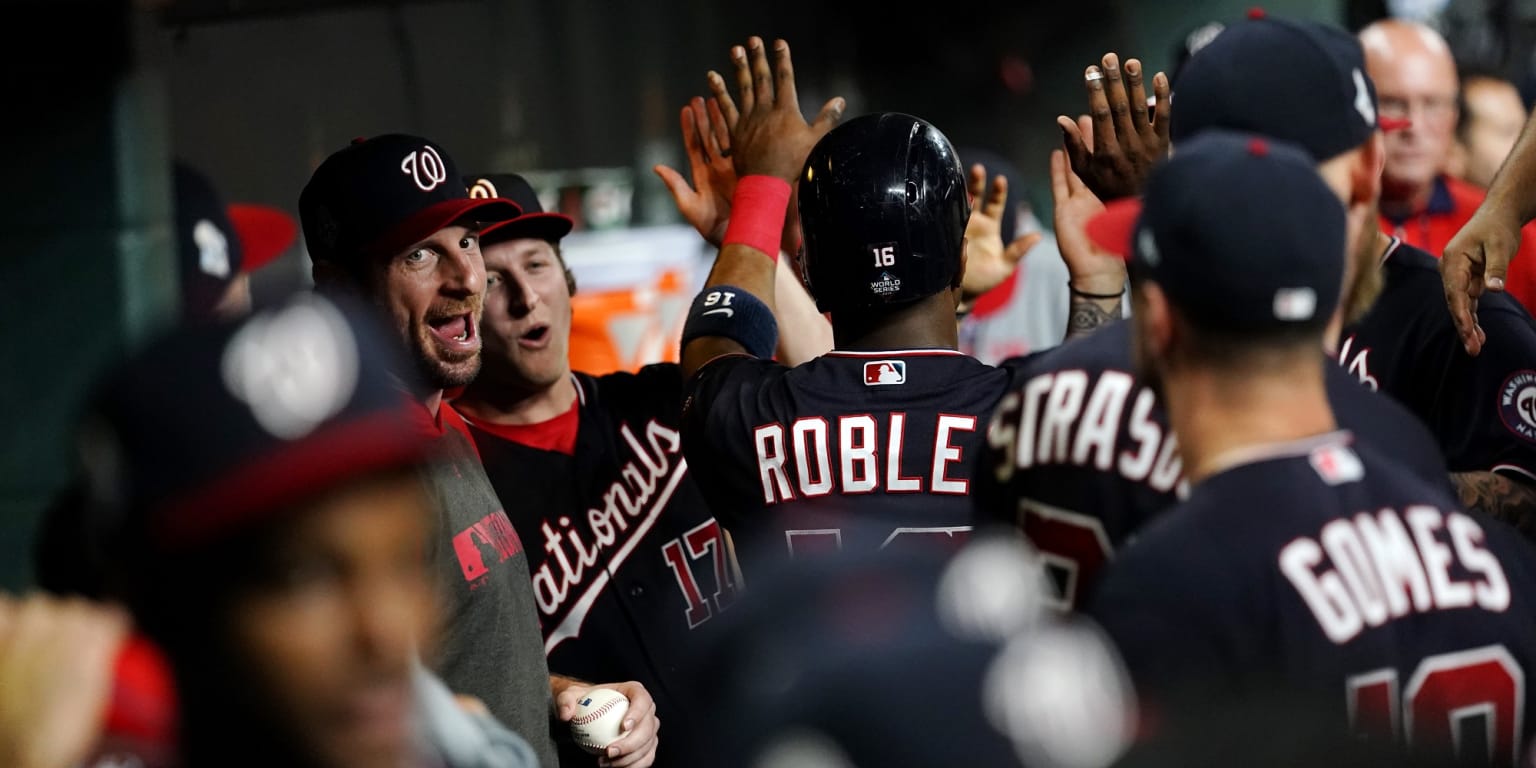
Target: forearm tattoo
x: 1499, y: 496
x: 1088, y: 315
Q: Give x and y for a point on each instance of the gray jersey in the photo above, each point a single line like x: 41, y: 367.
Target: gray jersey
x: 489, y: 645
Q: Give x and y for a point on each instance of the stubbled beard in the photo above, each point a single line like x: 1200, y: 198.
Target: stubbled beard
x: 439, y: 375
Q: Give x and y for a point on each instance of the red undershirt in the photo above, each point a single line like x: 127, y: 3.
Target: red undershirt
x: 557, y: 434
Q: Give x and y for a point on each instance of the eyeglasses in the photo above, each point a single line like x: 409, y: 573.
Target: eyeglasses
x: 1434, y: 108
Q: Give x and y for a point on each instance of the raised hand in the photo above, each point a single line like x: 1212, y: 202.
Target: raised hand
x: 769, y: 134
x: 56, y: 666
x: 1097, y: 278
x: 1477, y: 260
x: 706, y: 138
x: 1113, y: 148
x: 988, y: 261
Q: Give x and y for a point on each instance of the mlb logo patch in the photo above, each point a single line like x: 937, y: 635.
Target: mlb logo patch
x: 878, y: 372
x: 1336, y: 464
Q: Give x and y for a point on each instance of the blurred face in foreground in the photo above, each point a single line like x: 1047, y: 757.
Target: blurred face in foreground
x: 326, y: 630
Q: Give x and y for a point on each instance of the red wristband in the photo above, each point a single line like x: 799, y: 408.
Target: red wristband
x: 757, y: 214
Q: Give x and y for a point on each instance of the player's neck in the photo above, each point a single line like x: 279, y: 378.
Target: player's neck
x: 926, y: 324
x: 1332, y: 333
x: 512, y: 405
x: 1216, y: 414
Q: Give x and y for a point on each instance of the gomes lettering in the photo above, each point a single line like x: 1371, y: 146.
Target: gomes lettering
x: 1374, y: 568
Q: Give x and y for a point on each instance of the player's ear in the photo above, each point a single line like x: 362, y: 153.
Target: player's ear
x: 1155, y: 316
x: 1367, y: 177
x: 570, y: 277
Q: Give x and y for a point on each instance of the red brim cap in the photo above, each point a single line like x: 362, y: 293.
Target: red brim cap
x: 265, y: 233
x: 542, y: 226
x: 434, y: 217
x: 250, y: 493
x: 1114, y: 228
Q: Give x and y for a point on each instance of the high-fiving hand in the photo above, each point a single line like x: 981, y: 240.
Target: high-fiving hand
x: 769, y: 134
x: 707, y: 140
x: 989, y: 261
x: 1115, y: 145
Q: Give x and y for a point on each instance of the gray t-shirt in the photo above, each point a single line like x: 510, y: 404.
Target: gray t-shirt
x: 489, y: 644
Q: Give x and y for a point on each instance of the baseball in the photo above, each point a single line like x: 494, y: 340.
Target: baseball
x: 599, y: 718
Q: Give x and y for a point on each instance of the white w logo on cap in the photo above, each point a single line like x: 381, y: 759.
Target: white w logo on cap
x: 1363, y: 103
x: 425, y: 167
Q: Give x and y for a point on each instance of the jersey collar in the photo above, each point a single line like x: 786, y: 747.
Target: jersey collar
x: 897, y: 353
x: 1254, y: 454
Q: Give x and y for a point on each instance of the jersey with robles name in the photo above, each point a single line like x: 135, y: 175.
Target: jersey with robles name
x: 1482, y: 410
x: 852, y: 450
x: 626, y: 560
x: 1320, y: 573
x: 1080, y: 456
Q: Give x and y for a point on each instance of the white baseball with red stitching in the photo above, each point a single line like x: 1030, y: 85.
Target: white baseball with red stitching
x: 599, y: 718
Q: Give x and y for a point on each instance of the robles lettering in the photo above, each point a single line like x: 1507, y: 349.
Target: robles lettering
x: 816, y: 459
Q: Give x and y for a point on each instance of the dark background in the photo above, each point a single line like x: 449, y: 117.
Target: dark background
x: 100, y: 95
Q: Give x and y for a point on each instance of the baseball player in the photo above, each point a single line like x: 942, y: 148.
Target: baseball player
x: 1081, y: 455
x: 1306, y: 565
x: 268, y: 524
x: 1481, y: 409
x: 389, y: 218
x: 1403, y: 349
x: 867, y: 446
x: 626, y: 558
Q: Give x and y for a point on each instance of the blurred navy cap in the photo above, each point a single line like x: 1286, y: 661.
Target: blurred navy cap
x: 1240, y: 232
x: 1292, y: 80
x: 219, y: 426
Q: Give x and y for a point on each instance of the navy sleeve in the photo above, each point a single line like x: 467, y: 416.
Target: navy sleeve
x: 1487, y: 416
x: 720, y: 402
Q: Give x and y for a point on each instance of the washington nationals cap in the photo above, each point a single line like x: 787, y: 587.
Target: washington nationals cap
x: 533, y: 223
x: 207, y: 247
x: 1291, y: 80
x: 378, y: 196
x: 218, y: 427
x: 1240, y: 232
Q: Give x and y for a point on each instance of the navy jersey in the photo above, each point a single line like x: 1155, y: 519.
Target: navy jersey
x: 1323, y: 573
x: 1080, y: 456
x: 626, y: 560
x: 848, y: 451
x: 1482, y: 410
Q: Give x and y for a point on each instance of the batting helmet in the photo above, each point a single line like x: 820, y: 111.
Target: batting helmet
x: 883, y: 205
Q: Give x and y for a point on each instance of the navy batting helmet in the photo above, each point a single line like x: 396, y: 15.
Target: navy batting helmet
x: 883, y: 205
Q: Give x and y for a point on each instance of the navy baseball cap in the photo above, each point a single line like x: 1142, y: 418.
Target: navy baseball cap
x: 1292, y: 80
x: 217, y: 427
x: 534, y: 222
x: 1239, y: 231
x: 378, y: 196
x: 208, y: 248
